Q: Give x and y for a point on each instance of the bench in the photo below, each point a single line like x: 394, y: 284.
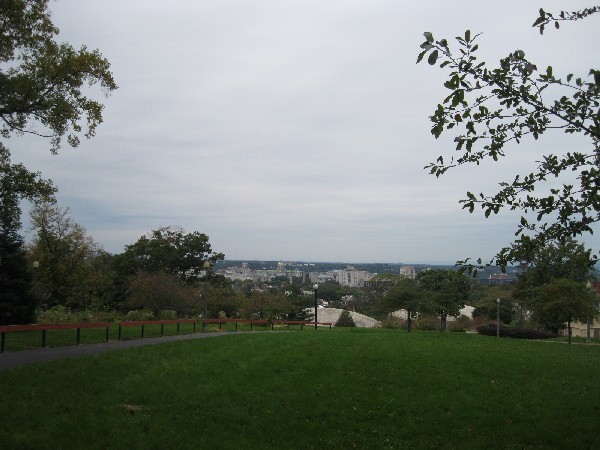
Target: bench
x: 51, y: 326
x: 162, y: 323
x: 252, y: 322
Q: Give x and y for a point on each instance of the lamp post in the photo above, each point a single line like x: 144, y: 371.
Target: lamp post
x: 206, y: 266
x: 316, y: 288
x: 36, y: 266
x: 588, y: 339
x: 498, y: 319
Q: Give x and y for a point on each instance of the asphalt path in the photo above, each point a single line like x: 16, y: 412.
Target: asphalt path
x: 9, y: 360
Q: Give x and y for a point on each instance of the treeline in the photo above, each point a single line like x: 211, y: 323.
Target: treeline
x: 63, y: 273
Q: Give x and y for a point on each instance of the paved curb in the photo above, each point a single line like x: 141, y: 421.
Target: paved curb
x: 9, y: 360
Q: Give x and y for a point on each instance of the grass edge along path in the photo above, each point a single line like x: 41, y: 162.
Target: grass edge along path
x: 344, y: 389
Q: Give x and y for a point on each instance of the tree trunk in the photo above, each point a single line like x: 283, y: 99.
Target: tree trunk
x: 442, y: 323
x: 409, y: 320
x: 569, y: 330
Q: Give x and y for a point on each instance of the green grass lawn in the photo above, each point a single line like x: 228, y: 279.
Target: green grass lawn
x: 331, y: 389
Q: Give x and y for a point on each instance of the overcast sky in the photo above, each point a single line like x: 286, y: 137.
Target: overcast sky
x: 291, y: 130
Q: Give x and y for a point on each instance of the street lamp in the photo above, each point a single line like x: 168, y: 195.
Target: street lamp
x: 36, y: 266
x: 206, y: 266
x: 498, y: 319
x: 316, y: 288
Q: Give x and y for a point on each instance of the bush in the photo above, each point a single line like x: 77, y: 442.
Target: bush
x: 345, y: 320
x: 426, y: 322
x: 392, y: 322
x: 516, y: 333
x: 61, y: 314
x: 167, y: 314
x: 56, y: 314
x: 461, y: 324
x: 142, y: 314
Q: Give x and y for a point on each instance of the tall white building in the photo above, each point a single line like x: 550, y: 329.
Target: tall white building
x: 352, y: 277
x: 408, y: 271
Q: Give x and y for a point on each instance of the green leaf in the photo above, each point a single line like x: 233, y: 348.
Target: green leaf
x: 538, y: 21
x: 468, y: 35
x: 420, y: 58
x: 428, y: 36
x: 433, y: 58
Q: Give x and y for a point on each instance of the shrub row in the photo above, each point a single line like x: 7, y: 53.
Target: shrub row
x: 510, y: 332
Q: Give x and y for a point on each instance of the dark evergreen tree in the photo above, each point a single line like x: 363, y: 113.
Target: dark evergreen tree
x: 345, y: 320
x: 17, y: 301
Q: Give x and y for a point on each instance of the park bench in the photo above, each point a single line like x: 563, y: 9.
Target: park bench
x: 302, y: 323
x: 252, y: 322
x: 162, y: 323
x: 51, y: 326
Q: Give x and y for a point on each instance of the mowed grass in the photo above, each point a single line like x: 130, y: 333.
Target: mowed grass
x: 330, y: 389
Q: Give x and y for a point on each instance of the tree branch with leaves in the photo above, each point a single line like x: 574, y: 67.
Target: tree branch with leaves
x: 490, y: 108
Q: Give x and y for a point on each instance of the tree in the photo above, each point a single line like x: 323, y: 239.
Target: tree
x: 489, y: 108
x: 484, y: 300
x: 404, y: 293
x: 17, y: 299
x: 171, y: 250
x: 162, y: 291
x: 446, y: 292
x: 565, y: 300
x: 345, y: 320
x: 266, y: 305
x: 542, y: 266
x: 41, y: 93
x: 72, y: 267
x: 42, y: 81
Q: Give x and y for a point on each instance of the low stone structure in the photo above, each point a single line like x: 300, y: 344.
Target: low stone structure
x: 333, y: 314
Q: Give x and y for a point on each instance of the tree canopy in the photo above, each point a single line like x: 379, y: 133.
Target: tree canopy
x: 42, y: 81
x: 549, y: 272
x: 404, y: 293
x: 172, y: 250
x: 564, y: 301
x: 42, y: 92
x: 446, y: 292
x: 489, y: 108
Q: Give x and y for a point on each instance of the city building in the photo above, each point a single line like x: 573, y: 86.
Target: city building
x: 351, y: 277
x: 408, y: 271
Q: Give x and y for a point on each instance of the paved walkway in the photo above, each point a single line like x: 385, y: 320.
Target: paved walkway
x: 40, y: 355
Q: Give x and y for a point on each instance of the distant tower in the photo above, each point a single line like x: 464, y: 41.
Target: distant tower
x: 408, y: 271
x: 280, y: 267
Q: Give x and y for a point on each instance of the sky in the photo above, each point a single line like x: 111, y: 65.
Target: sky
x: 292, y: 130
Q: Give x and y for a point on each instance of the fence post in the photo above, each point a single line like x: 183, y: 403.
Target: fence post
x: 78, y: 336
x: 142, y: 331
x: 119, y: 331
x: 3, y: 341
x: 44, y: 338
x: 106, y: 339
